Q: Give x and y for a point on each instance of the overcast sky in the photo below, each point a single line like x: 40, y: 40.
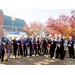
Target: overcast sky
x: 41, y: 15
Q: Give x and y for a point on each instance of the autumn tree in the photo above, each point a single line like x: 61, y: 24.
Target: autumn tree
x: 35, y: 28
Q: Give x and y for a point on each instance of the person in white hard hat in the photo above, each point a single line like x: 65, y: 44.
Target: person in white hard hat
x: 60, y: 50
x: 49, y: 41
x: 21, y: 43
x: 15, y: 45
x: 52, y: 48
x: 45, y: 42
x: 32, y: 46
x: 71, y: 47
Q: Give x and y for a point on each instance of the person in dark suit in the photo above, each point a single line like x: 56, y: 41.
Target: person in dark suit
x: 3, y: 41
x: 26, y: 42
x: 56, y: 40
x: 45, y: 42
x: 52, y: 48
x: 60, y: 48
x: 32, y: 41
x: 36, y: 45
x: 49, y: 41
x: 71, y: 47
x: 15, y: 45
x: 21, y: 43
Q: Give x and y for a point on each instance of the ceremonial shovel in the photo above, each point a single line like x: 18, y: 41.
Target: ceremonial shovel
x: 48, y: 48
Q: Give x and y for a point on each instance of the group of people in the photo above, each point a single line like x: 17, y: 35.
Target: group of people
x: 54, y: 46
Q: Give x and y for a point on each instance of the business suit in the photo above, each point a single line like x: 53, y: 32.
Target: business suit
x: 45, y: 42
x: 30, y: 45
x: 57, y: 51
x: 52, y: 48
x: 3, y: 40
x: 26, y: 41
x: 15, y: 46
x: 71, y: 49
x: 39, y: 50
x: 20, y: 46
x: 60, y: 49
x: 36, y: 49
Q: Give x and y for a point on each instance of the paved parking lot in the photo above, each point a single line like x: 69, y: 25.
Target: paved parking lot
x: 40, y: 60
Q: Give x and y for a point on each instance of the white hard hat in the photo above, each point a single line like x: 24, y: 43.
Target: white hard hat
x: 37, y: 36
x: 60, y: 35
x: 50, y: 35
x: 55, y: 34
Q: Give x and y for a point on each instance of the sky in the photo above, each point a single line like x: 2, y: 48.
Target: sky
x: 40, y: 15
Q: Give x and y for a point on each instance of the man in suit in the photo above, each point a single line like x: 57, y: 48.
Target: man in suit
x: 71, y: 47
x: 45, y: 42
x: 15, y: 45
x: 26, y: 42
x: 56, y: 40
x: 60, y: 48
x: 36, y: 45
x: 49, y: 41
x: 3, y: 41
x: 32, y: 41
x: 39, y: 50
x: 52, y: 48
x: 20, y: 46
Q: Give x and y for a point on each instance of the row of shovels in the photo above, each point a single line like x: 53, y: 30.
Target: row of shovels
x: 12, y: 56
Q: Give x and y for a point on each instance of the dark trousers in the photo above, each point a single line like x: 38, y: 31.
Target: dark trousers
x: 37, y: 51
x: 61, y: 53
x: 71, y: 53
x: 15, y: 50
x: 45, y: 51
x: 30, y: 52
x: 52, y: 53
x: 20, y: 52
x: 64, y: 53
x: 2, y: 54
x: 57, y: 52
x: 25, y: 49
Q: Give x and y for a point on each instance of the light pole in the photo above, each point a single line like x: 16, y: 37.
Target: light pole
x: 13, y: 19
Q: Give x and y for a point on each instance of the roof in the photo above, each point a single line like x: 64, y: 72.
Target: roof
x: 2, y: 12
x: 19, y: 23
